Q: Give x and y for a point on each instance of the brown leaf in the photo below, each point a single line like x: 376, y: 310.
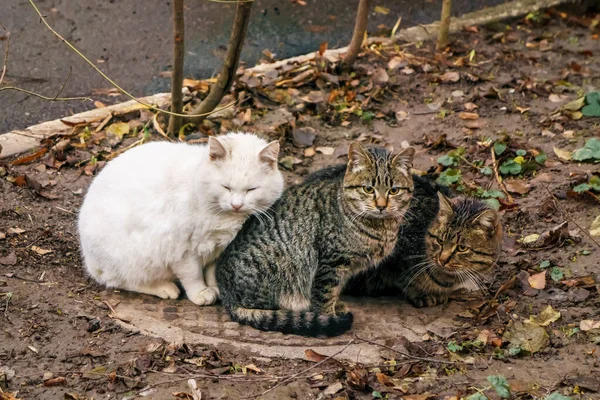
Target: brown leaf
x: 357, y: 378
x: 333, y: 389
x: 475, y: 124
x: 384, y: 379
x: 311, y: 355
x: 254, y: 368
x: 424, y: 396
x: 583, y: 281
x: 10, y: 259
x: 555, y: 236
x: 538, y: 281
x: 380, y: 76
x: 517, y: 186
x: 40, y: 251
x: 468, y: 115
x: 304, y: 137
x: 323, y: 48
x: 29, y: 158
x: 470, y: 106
x: 450, y: 76
x: 20, y: 181
x: 59, y: 380
x: 325, y: 150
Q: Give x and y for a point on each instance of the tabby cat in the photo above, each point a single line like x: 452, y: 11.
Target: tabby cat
x: 446, y: 243
x: 285, y: 272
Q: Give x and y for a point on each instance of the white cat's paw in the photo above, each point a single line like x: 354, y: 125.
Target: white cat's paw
x: 167, y: 290
x: 205, y: 297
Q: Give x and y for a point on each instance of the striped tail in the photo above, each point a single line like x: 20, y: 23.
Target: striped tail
x: 304, y: 323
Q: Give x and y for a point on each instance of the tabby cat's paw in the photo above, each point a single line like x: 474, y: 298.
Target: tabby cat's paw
x: 341, y: 308
x: 205, y: 297
x: 428, y: 300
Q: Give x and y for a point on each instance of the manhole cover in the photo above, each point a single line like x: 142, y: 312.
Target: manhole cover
x: 382, y: 320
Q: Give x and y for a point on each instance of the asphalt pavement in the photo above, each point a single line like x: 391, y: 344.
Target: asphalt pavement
x: 131, y: 42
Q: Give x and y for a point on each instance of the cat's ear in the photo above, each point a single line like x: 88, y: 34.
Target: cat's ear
x: 488, y: 219
x: 216, y: 150
x: 358, y: 158
x: 445, y: 205
x: 269, y: 154
x: 404, y: 160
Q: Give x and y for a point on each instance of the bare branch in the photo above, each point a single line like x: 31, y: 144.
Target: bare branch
x: 442, y: 41
x: 178, y: 60
x: 6, y: 50
x: 227, y: 75
x: 360, y: 27
x: 55, y: 98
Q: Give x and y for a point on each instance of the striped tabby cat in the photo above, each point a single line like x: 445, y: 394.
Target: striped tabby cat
x: 445, y: 243
x: 284, y: 271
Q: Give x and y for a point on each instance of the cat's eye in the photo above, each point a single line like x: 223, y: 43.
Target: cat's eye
x: 369, y: 189
x: 462, y: 248
x: 250, y: 189
x: 395, y: 190
x: 227, y: 187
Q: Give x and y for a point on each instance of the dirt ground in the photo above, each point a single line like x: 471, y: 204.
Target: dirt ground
x: 499, y: 93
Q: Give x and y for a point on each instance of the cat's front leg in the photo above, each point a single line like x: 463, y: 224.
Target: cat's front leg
x: 210, y: 277
x: 191, y: 275
x: 326, y: 290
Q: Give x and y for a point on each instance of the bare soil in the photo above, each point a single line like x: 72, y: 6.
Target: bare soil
x: 60, y: 339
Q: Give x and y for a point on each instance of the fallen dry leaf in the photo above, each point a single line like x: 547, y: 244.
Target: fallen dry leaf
x: 325, y: 150
x: 538, y: 281
x: 333, y: 389
x: 304, y: 137
x: 311, y: 355
x: 517, y: 186
x: 470, y: 106
x: 15, y: 231
x: 450, y: 76
x: 380, y: 76
x: 384, y: 379
x: 588, y: 325
x: 10, y: 259
x: 546, y: 317
x: 468, y: 115
x: 595, y: 227
x: 583, y: 281
x: 40, y: 251
x: 254, y: 368
x: 527, y: 336
x: 562, y: 154
x: 59, y: 380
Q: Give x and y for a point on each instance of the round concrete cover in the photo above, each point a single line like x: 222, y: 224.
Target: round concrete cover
x: 383, y: 320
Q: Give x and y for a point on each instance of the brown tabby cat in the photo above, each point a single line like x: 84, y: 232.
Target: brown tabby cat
x: 445, y: 243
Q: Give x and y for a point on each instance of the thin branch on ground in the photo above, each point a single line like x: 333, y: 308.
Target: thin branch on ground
x: 498, y: 179
x: 113, y: 83
x: 426, y: 359
x: 292, y: 377
x: 178, y: 61
x: 55, y: 98
x: 568, y: 216
x: 6, y: 50
x: 230, y: 65
x: 442, y: 40
x: 360, y: 27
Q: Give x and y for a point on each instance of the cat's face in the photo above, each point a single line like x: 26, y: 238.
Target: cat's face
x: 244, y: 178
x: 465, y: 238
x: 378, y: 184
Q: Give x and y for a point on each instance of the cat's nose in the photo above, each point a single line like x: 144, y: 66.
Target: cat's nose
x: 237, y: 206
x: 381, y: 208
x: 444, y: 257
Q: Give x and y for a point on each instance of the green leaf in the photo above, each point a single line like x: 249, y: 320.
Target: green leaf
x: 510, y: 167
x: 446, y: 160
x: 368, y: 115
x: 493, y: 203
x: 519, y: 160
x: 575, y: 105
x: 581, y: 188
x: 541, y: 158
x: 493, y: 193
x: 592, y: 109
x: 585, y: 252
x: 454, y: 347
x: 449, y: 177
x: 500, y: 385
x: 557, y: 396
x: 556, y: 274
x: 544, y: 264
x: 591, y: 150
x: 514, y: 350
x: 499, y: 148
x: 376, y: 395
x: 521, y: 152
x: 486, y: 171
x: 595, y: 183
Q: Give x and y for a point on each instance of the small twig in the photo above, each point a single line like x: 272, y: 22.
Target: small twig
x: 109, y: 306
x: 498, y: 179
x: 566, y: 214
x: 432, y: 360
x: 425, y: 112
x: 29, y: 92
x: 5, y: 64
x: 291, y: 377
x: 158, y: 129
x: 65, y: 210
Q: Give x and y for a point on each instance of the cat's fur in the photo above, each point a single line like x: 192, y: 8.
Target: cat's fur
x: 445, y: 243
x: 286, y: 274
x: 167, y: 210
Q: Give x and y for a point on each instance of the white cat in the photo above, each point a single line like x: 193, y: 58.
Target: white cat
x: 167, y: 210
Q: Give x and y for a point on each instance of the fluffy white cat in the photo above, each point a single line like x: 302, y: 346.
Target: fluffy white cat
x: 167, y: 210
